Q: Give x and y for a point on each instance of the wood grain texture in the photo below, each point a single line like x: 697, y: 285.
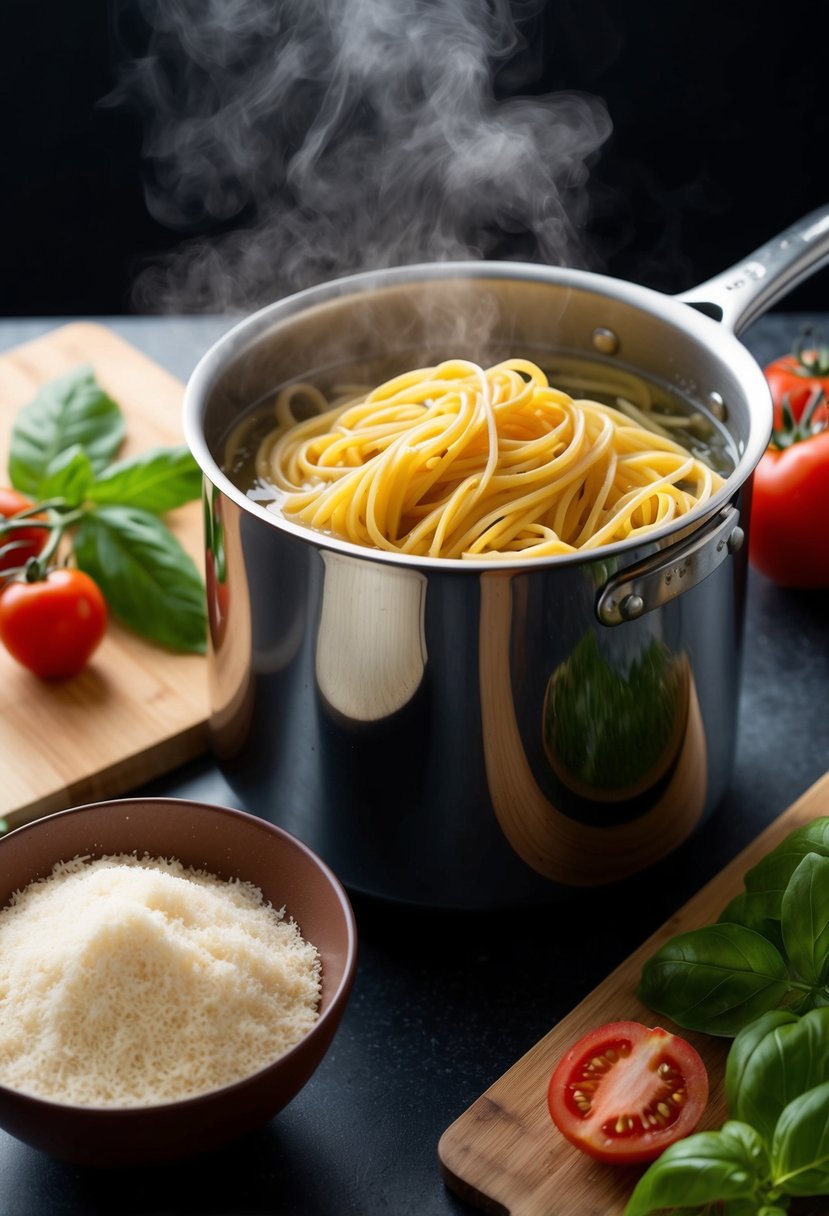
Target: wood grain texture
x: 137, y: 710
x: 503, y: 1154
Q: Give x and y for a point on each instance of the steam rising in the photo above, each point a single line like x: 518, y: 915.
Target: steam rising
x: 305, y: 139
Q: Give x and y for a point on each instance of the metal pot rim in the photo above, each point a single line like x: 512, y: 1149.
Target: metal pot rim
x: 673, y: 309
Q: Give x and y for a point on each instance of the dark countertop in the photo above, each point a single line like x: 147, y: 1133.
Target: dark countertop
x: 446, y: 1002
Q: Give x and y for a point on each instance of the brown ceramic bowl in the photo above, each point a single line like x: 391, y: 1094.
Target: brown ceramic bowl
x: 228, y: 843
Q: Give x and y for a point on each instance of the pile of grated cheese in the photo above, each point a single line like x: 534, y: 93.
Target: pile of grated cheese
x: 127, y: 981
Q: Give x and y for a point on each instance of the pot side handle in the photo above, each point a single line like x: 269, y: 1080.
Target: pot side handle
x: 741, y: 294
x: 661, y: 578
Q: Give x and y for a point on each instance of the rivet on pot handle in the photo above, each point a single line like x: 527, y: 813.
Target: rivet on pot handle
x: 663, y: 577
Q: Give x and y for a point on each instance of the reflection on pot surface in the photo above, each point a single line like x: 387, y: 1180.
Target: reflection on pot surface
x: 624, y: 771
x: 371, y: 651
x: 611, y: 735
x: 230, y: 680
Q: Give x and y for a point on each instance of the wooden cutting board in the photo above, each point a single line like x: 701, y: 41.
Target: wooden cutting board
x: 503, y: 1155
x: 137, y: 710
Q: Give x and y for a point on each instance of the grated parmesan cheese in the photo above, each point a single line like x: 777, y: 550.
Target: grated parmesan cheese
x: 128, y: 981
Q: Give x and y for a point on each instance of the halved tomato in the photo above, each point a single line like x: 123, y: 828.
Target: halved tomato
x: 624, y: 1092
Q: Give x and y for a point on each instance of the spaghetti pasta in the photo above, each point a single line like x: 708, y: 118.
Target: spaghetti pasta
x: 458, y: 461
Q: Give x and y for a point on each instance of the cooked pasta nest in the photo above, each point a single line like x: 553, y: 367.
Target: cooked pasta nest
x: 458, y: 461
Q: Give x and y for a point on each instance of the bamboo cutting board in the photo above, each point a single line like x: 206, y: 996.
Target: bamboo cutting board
x: 137, y: 710
x: 503, y: 1155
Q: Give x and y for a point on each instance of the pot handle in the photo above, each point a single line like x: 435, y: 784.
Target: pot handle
x: 741, y: 294
x: 661, y: 578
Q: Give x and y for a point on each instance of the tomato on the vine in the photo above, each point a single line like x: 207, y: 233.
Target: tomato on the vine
x: 793, y: 379
x: 624, y: 1092
x: 789, y: 536
x: 17, y: 544
x: 54, y: 624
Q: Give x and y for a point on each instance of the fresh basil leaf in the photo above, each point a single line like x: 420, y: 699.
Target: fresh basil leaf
x: 746, y: 1042
x: 728, y: 1207
x: 73, y: 409
x: 805, y: 918
x: 800, y: 1149
x: 741, y: 1207
x: 715, y: 979
x: 148, y: 580
x: 701, y: 1169
x: 757, y: 910
x: 770, y: 1065
x: 773, y: 872
x: 157, y: 480
x: 748, y: 1140
x: 68, y: 476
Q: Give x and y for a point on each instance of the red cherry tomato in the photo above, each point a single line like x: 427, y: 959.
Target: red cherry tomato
x: 789, y: 536
x: 17, y: 545
x: 795, y: 377
x: 52, y: 626
x: 623, y: 1093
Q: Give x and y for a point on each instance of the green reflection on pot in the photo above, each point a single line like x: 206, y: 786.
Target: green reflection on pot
x: 614, y: 735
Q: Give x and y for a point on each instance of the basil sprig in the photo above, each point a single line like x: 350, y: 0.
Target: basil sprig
x: 769, y: 949
x: 157, y: 589
x: 775, y: 1147
x: 72, y: 411
x: 774, y: 1060
x: 63, y: 450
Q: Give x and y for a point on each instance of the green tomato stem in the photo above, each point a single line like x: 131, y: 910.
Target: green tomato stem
x: 819, y: 364
x: 37, y: 568
x: 24, y: 519
x: 792, y: 431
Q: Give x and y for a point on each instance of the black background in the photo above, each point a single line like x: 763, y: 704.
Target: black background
x: 721, y: 131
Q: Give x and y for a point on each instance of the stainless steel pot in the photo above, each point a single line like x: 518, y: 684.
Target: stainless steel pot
x: 459, y: 733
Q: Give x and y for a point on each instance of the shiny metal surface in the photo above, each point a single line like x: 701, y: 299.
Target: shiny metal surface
x: 462, y: 733
x: 457, y: 739
x: 744, y: 292
x: 671, y: 572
